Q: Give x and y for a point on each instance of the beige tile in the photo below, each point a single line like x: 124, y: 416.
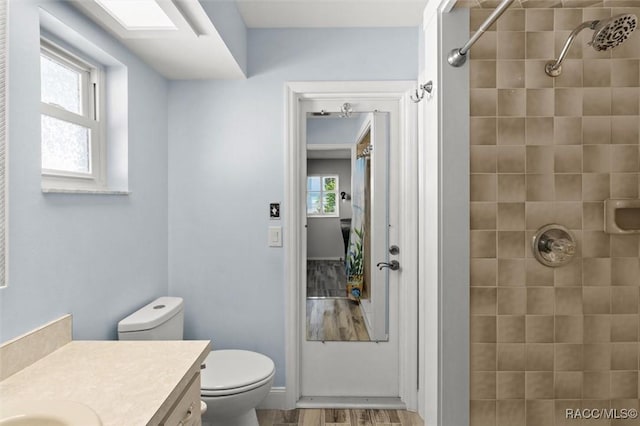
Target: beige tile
x: 483, y: 300
x: 539, y: 20
x: 596, y: 300
x: 483, y: 329
x: 483, y: 244
x: 569, y: 275
x: 484, y: 272
x: 539, y: 385
x: 624, y: 185
x: 568, y: 357
x: 596, y: 271
x: 511, y: 357
x: 624, y: 384
x: 539, y: 214
x: 534, y: 74
x: 510, y: 131
x: 511, y: 159
x: 511, y: 244
x: 511, y: 329
x: 510, y: 74
x: 624, y: 300
x: 593, y: 216
x: 540, y: 102
x: 597, y: 356
x: 482, y: 413
x: 511, y: 385
x: 624, y: 158
x: 483, y: 102
x: 541, y: 187
x: 483, y: 385
x: 482, y: 74
x: 539, y: 45
x: 559, y: 40
x: 569, y: 102
x: 483, y: 216
x: 483, y: 159
x: 625, y: 72
x: 596, y: 130
x: 540, y: 301
x: 511, y: 216
x: 539, y: 131
x: 483, y: 357
x: 538, y: 274
x: 539, y: 356
x: 624, y: 356
x: 511, y: 187
x: 568, y: 187
x: 539, y: 412
x: 624, y: 328
x: 567, y: 131
x: 596, y: 158
x: 477, y: 17
x: 595, y: 186
x: 568, y: 385
x: 596, y: 385
x: 596, y: 73
x: 569, y: 214
x: 597, y: 328
x: 511, y: 102
x: 485, y: 47
x: 568, y: 329
x: 512, y: 20
x: 539, y: 328
x: 511, y: 272
x: 483, y: 187
x: 596, y: 101
x: 540, y: 159
x: 483, y: 131
x: 511, y: 45
x: 625, y: 271
x: 625, y: 101
x: 624, y: 130
x: 595, y: 244
x: 571, y: 74
x: 512, y: 300
x: 568, y: 300
x: 624, y: 245
x: 568, y: 159
x: 567, y: 19
x: 510, y: 413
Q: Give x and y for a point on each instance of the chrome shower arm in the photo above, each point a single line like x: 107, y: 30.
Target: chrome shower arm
x: 552, y: 68
x: 457, y: 57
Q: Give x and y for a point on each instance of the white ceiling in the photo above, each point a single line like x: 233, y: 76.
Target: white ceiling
x: 330, y: 13
x: 201, y: 53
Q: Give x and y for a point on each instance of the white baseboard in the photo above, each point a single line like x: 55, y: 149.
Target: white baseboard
x: 276, y: 400
x: 326, y: 258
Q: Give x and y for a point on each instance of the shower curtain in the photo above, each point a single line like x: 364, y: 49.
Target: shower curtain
x: 355, y: 253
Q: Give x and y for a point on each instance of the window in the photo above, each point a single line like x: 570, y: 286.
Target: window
x: 322, y: 196
x: 71, y: 125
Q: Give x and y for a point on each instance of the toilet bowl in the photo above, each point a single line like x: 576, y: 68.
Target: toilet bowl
x: 232, y: 382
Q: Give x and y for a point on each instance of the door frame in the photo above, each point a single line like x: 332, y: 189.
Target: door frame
x: 294, y: 208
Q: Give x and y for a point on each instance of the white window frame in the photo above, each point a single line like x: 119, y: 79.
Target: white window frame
x: 322, y: 192
x: 91, y: 117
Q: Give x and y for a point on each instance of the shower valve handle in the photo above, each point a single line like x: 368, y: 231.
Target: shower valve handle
x: 394, y: 265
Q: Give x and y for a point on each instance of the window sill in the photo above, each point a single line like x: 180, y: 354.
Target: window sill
x: 84, y: 191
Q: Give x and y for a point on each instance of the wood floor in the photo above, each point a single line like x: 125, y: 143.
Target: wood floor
x: 330, y: 417
x: 326, y: 278
x: 335, y: 320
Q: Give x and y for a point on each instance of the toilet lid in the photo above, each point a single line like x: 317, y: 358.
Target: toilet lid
x: 228, y: 369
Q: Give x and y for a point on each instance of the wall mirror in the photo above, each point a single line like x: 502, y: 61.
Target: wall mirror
x: 347, y: 285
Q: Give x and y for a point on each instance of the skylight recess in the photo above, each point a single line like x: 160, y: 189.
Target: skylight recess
x: 135, y: 15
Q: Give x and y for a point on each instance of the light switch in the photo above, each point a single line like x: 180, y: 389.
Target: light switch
x: 275, y: 236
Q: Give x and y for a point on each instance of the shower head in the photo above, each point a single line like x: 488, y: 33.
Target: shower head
x: 608, y: 33
x: 611, y: 32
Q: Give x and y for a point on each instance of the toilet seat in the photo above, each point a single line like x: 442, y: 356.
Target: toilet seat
x: 231, y: 372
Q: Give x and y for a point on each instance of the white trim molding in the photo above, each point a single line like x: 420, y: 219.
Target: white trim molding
x: 294, y: 208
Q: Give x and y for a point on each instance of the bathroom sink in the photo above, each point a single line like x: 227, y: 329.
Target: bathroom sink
x: 48, y: 413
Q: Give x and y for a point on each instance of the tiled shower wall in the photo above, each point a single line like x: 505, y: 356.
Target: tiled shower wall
x: 547, y: 150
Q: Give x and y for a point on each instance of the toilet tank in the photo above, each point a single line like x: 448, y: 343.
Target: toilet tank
x: 162, y: 319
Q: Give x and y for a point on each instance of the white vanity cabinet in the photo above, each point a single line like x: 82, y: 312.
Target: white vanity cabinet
x: 186, y: 410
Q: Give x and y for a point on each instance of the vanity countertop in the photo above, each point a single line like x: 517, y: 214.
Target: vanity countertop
x: 125, y: 382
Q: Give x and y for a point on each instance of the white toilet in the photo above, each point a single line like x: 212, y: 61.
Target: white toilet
x: 233, y: 382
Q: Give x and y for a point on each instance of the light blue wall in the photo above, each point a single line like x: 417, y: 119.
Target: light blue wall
x: 332, y: 130
x: 98, y: 257
x: 226, y: 163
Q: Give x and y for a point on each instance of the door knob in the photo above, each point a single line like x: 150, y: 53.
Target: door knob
x: 394, y: 265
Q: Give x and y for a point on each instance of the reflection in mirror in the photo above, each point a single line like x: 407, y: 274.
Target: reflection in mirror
x: 339, y: 215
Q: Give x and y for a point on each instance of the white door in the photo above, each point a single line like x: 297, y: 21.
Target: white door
x: 363, y: 369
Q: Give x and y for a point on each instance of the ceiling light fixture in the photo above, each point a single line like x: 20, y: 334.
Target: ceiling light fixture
x: 136, y: 15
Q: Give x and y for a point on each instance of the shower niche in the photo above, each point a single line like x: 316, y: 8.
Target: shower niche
x: 622, y: 216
